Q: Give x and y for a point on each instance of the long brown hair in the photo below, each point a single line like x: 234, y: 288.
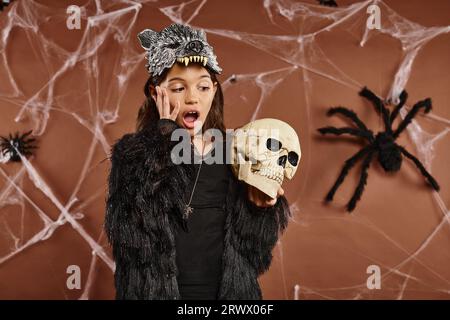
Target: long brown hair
x: 148, y: 113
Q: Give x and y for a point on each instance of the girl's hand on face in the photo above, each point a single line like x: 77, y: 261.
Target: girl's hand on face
x: 260, y: 199
x: 162, y: 102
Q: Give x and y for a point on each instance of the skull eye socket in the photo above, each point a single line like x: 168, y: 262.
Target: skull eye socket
x: 273, y: 144
x: 293, y: 158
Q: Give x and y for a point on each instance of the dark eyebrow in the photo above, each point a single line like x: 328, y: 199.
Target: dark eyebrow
x: 203, y: 76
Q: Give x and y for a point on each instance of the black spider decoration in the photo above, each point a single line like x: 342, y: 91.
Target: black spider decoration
x: 24, y: 146
x: 329, y: 3
x: 383, y: 143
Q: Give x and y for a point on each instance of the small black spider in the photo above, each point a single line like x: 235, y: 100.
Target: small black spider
x: 389, y: 152
x: 329, y: 3
x: 24, y: 146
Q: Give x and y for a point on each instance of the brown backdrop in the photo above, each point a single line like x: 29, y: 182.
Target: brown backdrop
x: 79, y: 90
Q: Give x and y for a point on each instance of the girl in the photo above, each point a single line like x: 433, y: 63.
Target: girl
x: 185, y: 231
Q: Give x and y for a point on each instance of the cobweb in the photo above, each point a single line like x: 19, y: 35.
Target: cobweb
x: 70, y: 81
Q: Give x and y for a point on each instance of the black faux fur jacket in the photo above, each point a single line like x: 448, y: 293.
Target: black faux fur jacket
x: 144, y: 202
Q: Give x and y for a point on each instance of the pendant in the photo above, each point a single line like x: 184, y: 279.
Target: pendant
x: 187, y: 211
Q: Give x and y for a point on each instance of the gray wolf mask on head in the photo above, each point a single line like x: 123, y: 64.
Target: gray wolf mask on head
x: 179, y: 43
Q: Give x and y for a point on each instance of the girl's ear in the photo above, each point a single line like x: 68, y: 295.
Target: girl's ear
x: 152, y: 91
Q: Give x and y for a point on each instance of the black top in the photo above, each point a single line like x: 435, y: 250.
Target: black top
x: 200, y: 247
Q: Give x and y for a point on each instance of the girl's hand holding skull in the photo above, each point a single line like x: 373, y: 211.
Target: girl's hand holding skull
x: 260, y: 199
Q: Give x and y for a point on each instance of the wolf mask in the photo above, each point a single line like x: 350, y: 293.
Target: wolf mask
x: 179, y: 43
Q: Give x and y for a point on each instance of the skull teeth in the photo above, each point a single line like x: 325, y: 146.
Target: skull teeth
x: 186, y: 60
x: 271, y: 174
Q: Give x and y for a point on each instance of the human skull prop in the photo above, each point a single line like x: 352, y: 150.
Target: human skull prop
x: 264, y: 152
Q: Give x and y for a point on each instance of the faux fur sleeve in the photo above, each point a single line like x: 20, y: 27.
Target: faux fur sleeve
x: 257, y: 229
x: 137, y: 164
x: 120, y: 223
x: 118, y: 218
x: 143, y: 188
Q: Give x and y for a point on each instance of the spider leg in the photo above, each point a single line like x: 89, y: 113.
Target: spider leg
x: 379, y: 106
x: 349, y: 114
x: 362, y: 182
x: 352, y: 131
x: 426, y: 104
x: 403, y: 97
x: 349, y: 163
x: 433, y: 183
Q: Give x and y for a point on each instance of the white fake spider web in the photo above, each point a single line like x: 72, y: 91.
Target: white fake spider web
x: 85, y: 79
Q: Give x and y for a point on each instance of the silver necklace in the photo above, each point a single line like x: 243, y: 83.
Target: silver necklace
x: 187, y: 208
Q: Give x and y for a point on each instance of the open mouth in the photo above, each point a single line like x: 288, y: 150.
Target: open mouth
x: 189, y: 118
